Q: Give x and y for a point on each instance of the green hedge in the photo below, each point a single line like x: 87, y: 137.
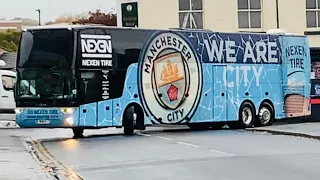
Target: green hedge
x: 9, y: 40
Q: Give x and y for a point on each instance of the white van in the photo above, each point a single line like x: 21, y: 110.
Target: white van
x: 7, y: 102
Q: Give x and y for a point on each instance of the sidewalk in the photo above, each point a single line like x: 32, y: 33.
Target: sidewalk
x: 8, y: 121
x: 311, y: 130
x: 16, y: 163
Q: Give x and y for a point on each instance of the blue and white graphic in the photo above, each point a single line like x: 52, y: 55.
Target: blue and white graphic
x: 170, y: 78
x: 297, y: 71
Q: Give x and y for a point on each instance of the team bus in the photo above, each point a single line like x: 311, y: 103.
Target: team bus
x: 88, y: 76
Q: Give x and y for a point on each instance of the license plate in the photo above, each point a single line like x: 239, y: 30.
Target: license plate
x: 43, y: 121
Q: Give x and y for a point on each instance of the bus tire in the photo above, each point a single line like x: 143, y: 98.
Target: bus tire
x: 77, y: 132
x: 247, y: 117
x: 266, y: 114
x: 129, y: 119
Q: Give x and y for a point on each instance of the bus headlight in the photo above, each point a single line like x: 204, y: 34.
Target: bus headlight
x: 18, y: 110
x: 69, y: 120
x: 67, y: 110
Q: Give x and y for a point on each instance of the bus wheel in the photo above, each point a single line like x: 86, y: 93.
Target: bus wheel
x: 129, y: 120
x: 266, y: 114
x: 247, y: 116
x: 77, y: 132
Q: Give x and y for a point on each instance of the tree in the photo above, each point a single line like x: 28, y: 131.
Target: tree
x: 98, y: 17
x: 68, y: 18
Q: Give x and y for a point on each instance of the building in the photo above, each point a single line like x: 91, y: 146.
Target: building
x: 297, y: 16
x: 14, y: 25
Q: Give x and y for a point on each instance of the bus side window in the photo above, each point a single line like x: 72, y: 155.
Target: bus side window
x: 88, y: 87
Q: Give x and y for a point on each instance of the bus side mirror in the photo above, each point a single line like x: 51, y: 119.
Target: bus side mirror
x: 2, y: 63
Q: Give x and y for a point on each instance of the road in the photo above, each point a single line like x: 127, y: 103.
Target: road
x: 203, y: 155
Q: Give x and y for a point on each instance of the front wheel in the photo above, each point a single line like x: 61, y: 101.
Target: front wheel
x: 77, y: 132
x: 129, y: 120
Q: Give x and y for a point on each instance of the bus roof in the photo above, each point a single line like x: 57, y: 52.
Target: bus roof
x: 92, y: 26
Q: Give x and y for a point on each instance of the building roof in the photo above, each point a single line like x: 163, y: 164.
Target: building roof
x: 10, y: 21
x: 10, y: 59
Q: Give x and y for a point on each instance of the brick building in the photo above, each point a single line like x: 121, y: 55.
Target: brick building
x: 13, y: 24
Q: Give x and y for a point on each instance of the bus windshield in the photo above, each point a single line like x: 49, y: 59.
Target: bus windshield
x: 44, y: 68
x: 50, y: 87
x: 46, y: 49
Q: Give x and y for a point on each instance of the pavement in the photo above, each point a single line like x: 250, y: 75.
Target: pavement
x: 309, y: 130
x: 184, y: 154
x: 163, y: 153
x: 8, y: 121
x: 16, y: 162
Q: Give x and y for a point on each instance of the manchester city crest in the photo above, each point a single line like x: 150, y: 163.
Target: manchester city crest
x: 170, y: 79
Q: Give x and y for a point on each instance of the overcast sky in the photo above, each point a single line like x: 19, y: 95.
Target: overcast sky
x: 50, y: 9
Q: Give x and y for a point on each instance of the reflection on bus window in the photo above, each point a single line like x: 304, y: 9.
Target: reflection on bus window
x: 316, y: 69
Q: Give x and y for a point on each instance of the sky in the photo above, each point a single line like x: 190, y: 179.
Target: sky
x: 50, y: 9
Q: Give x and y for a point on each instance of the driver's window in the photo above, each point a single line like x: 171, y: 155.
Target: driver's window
x: 27, y: 87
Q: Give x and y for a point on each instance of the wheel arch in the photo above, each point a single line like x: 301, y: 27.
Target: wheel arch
x: 269, y: 102
x: 248, y: 101
x: 135, y: 105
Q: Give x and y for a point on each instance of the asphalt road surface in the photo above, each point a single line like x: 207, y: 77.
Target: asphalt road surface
x: 201, y: 155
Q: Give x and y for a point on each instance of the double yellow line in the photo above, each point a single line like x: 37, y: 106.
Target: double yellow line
x: 50, y: 164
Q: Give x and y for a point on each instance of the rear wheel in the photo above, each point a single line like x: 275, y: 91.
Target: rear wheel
x: 266, y: 115
x: 77, y: 132
x: 247, y: 116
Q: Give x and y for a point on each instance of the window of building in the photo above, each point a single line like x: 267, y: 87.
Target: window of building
x: 8, y: 82
x: 249, y: 14
x: 191, y: 14
x: 313, y: 13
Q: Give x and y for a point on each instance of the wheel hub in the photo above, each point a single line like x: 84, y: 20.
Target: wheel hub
x: 264, y: 115
x: 135, y: 118
x: 247, y: 115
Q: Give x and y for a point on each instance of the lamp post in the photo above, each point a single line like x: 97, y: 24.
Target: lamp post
x: 277, y: 11
x: 39, y: 12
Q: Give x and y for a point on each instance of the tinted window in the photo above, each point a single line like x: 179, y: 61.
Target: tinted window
x: 45, y: 49
x: 89, y: 87
x: 127, y: 47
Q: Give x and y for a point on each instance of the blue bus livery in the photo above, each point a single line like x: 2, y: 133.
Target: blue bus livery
x: 86, y: 77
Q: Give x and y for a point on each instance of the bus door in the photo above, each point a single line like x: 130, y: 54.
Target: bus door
x: 89, y: 96
x: 219, y: 93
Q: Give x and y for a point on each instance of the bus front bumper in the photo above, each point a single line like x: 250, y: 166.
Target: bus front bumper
x: 47, y: 117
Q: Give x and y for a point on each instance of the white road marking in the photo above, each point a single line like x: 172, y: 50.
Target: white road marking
x: 221, y: 152
x: 188, y: 144
x: 140, y: 134
x: 160, y: 137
